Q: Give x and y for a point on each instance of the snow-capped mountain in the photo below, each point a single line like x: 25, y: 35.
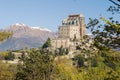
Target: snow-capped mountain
x: 25, y: 36
x: 42, y: 29
x: 19, y: 24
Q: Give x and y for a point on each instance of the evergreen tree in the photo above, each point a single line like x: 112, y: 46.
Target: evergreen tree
x: 47, y: 43
x: 67, y: 51
x: 61, y: 50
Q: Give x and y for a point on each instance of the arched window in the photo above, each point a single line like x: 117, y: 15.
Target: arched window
x: 63, y: 23
x: 72, y: 22
x: 69, y: 23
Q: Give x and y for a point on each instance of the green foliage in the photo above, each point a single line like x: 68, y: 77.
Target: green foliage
x: 35, y: 66
x: 65, y: 71
x: 41, y: 66
x: 94, y: 62
x: 4, y: 35
x: 3, y: 55
x: 79, y: 59
x: 67, y: 51
x: 107, y: 34
x: 61, y: 50
x: 114, y: 8
x: 47, y: 43
x: 103, y: 64
x: 9, y: 56
x: 7, y: 71
x: 111, y: 59
x: 22, y: 56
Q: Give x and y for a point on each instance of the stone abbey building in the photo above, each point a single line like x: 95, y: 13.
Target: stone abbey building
x: 70, y: 33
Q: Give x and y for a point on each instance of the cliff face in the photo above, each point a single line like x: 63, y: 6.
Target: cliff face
x: 25, y: 36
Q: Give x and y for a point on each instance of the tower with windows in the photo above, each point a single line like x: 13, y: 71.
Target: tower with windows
x: 73, y: 27
x: 70, y: 32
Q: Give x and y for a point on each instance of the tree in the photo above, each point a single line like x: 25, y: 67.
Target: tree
x: 7, y: 71
x: 35, y: 66
x: 108, y: 34
x: 47, y: 43
x: 79, y: 59
x: 66, y: 51
x: 4, y: 35
x: 61, y: 50
x: 116, y: 7
x: 10, y: 56
x: 22, y: 56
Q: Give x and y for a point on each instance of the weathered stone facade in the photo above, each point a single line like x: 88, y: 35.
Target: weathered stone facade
x: 57, y: 43
x: 73, y: 28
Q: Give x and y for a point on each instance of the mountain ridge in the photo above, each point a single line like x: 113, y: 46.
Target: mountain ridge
x: 25, y: 36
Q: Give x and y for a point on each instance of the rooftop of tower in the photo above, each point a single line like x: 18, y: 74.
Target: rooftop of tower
x: 76, y: 15
x: 72, y: 19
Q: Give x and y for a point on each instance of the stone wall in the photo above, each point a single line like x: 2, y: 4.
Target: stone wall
x: 73, y: 27
x: 60, y: 42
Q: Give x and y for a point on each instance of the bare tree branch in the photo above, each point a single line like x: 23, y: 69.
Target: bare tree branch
x: 115, y: 2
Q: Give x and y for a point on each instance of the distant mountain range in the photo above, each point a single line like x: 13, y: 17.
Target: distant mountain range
x: 25, y: 36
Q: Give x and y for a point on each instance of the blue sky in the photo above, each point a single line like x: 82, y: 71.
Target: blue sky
x: 49, y: 13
